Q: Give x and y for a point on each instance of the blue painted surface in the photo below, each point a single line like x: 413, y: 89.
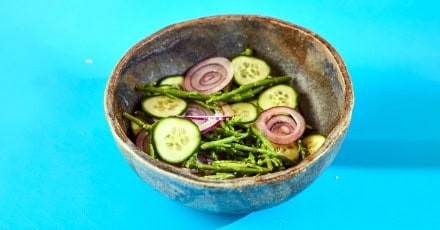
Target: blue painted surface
x: 60, y: 169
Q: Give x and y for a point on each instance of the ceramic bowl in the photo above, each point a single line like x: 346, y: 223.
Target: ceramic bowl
x: 319, y: 75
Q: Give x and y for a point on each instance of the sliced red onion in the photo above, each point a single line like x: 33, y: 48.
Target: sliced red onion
x: 204, y: 159
x: 206, y: 119
x: 280, y: 118
x: 210, y: 124
x: 195, y: 110
x: 281, y: 124
x: 142, y: 141
x: 209, y: 76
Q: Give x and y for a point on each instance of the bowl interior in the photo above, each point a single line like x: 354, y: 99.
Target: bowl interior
x: 317, y: 71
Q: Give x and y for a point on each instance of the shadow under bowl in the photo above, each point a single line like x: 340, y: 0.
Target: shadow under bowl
x: 319, y: 75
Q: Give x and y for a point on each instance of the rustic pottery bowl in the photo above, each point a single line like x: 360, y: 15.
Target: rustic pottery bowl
x: 319, y: 75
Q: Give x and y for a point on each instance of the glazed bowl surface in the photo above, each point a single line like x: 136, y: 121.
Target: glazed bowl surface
x: 319, y: 75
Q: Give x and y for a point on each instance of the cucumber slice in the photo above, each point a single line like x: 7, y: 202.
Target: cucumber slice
x: 135, y: 128
x: 249, y: 69
x: 313, y: 142
x: 164, y: 106
x: 175, y: 139
x: 278, y: 95
x: 245, y: 112
x: 290, y: 152
x: 175, y: 80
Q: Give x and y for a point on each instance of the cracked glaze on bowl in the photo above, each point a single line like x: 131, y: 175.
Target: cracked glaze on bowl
x: 319, y: 75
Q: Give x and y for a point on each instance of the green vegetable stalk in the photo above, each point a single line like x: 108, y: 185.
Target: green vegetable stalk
x: 193, y: 95
x: 228, y: 166
x: 246, y: 95
x: 244, y: 88
x: 137, y: 120
x: 222, y: 142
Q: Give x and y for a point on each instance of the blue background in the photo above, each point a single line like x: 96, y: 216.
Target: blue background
x: 59, y: 166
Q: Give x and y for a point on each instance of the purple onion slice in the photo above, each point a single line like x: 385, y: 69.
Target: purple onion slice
x: 206, y: 119
x: 281, y: 124
x: 209, y: 76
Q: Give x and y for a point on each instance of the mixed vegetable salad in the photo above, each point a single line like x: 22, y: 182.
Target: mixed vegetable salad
x: 224, y: 119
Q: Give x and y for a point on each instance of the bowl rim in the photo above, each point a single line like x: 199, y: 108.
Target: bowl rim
x: 182, y: 174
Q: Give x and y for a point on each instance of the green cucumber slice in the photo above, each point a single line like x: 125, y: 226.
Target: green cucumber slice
x: 135, y: 128
x: 278, y: 95
x: 313, y: 142
x: 175, y: 139
x: 174, y: 80
x: 164, y: 106
x: 245, y: 112
x: 290, y: 152
x: 249, y: 69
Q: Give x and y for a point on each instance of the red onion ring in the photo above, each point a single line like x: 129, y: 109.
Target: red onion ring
x: 207, y: 118
x: 281, y: 124
x: 195, y: 110
x: 204, y: 118
x: 142, y: 140
x: 280, y: 118
x: 209, y: 76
